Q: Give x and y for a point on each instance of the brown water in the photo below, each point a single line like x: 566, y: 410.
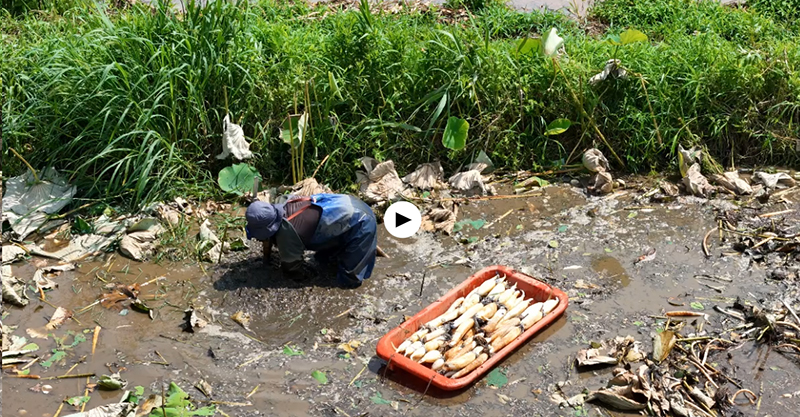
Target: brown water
x: 598, y: 242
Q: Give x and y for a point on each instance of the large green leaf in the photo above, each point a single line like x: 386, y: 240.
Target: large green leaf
x: 632, y: 36
x: 455, y: 133
x: 294, y: 129
x: 237, y: 178
x: 529, y: 46
x: 176, y: 397
x: 557, y: 127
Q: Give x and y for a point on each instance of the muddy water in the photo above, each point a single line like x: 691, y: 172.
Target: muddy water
x: 585, y: 246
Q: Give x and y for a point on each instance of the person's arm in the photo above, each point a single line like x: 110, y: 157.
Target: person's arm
x: 266, y: 245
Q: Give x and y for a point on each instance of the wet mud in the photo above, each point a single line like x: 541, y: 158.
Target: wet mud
x: 587, y: 246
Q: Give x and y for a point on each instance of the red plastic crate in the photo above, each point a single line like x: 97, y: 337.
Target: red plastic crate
x: 533, y: 288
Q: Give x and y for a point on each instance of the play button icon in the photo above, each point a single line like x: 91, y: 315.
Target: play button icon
x: 402, y: 219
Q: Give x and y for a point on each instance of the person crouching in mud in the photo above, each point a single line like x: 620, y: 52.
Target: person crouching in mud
x: 332, y: 225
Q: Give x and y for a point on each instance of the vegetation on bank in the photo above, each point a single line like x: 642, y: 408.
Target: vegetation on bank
x: 130, y: 101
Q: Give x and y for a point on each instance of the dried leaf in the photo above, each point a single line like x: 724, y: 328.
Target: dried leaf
x: 350, y: 347
x: 14, y: 290
x: 120, y: 293
x: 615, y: 400
x: 696, y: 183
x: 612, y: 69
x: 138, y: 245
x: 662, y: 345
x: 308, y: 187
x: 669, y: 189
x: 242, y: 318
x: 60, y: 316
x: 233, y: 141
x: 592, y: 357
x: 647, y: 256
x: 124, y: 409
x: 426, y: 177
x: 380, y: 182
x: 602, y: 183
x: 686, y: 158
x: 42, y: 282
x: 595, y: 161
x: 470, y: 182
x: 731, y: 181
x: 440, y: 219
x: 194, y: 321
x: 204, y: 387
x: 13, y: 253
x: 773, y: 180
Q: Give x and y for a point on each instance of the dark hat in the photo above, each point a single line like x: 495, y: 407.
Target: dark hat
x: 263, y: 220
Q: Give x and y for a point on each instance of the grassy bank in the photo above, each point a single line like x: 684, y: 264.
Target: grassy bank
x: 130, y: 102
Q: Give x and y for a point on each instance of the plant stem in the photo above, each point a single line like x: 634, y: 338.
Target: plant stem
x: 291, y: 146
x: 588, y: 116
x: 650, y: 105
x: 33, y: 171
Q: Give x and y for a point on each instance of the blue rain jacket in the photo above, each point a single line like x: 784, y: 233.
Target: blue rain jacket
x: 347, y: 230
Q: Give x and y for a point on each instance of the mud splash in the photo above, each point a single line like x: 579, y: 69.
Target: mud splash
x: 598, y: 240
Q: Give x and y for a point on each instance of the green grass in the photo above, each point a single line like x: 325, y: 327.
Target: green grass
x: 130, y: 102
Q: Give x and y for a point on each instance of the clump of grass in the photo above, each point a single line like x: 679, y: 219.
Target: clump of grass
x: 130, y: 102
x: 783, y: 10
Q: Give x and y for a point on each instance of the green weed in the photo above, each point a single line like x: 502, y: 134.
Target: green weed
x: 130, y: 102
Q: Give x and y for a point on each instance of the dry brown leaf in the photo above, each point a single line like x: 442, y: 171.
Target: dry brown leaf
x: 581, y: 284
x: 350, y: 347
x: 591, y: 357
x: 731, y: 181
x: 242, y: 318
x: 696, y: 183
x: 773, y: 180
x: 194, y: 321
x: 440, y: 219
x: 120, y: 293
x: 380, y: 182
x: 602, y: 183
x: 308, y: 187
x: 662, y: 345
x: 59, y: 317
x: 595, y: 161
x: 426, y: 176
x: 669, y: 189
x: 615, y: 400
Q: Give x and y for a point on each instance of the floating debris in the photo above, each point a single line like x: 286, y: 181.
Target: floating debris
x: 611, y: 352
